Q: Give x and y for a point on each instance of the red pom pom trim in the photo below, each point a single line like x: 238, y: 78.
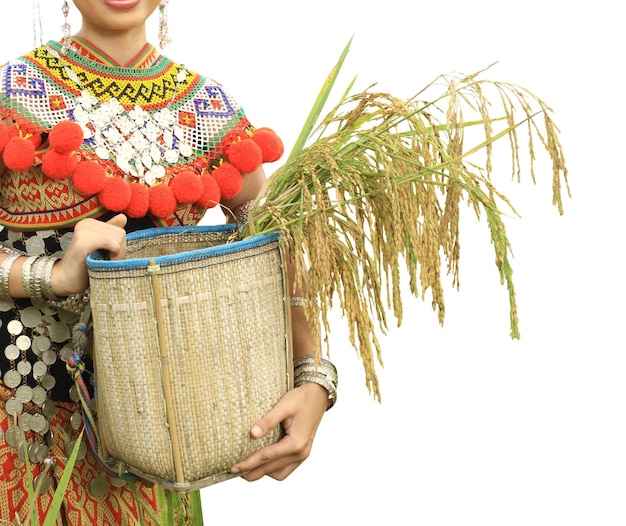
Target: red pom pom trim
x: 211, y: 194
x: 271, y: 145
x: 162, y: 201
x: 19, y: 154
x: 186, y: 187
x: 232, y: 137
x: 65, y: 137
x: 139, y: 201
x: 115, y: 195
x: 228, y: 179
x: 245, y: 155
x: 58, y: 166
x: 89, y: 177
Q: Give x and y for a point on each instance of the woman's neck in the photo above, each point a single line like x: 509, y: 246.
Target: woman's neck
x: 120, y: 46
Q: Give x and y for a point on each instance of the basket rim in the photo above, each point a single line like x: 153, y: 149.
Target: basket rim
x: 97, y: 259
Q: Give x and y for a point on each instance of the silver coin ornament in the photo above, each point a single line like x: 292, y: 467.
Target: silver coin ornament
x: 76, y: 420
x: 42, y: 482
x: 14, y: 436
x: 13, y: 406
x: 24, y: 393
x: 12, y: 378
x: 39, y: 395
x: 98, y: 486
x: 82, y: 449
x: 11, y: 352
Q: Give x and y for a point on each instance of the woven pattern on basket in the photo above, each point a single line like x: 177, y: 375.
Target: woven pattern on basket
x: 227, y: 345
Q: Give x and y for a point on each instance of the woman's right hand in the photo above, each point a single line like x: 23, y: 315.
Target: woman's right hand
x: 69, y: 274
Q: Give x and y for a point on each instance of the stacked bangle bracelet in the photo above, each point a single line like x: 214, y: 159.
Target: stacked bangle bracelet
x: 36, y: 275
x: 308, y: 369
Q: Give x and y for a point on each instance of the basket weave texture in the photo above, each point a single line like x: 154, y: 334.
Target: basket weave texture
x: 191, y: 346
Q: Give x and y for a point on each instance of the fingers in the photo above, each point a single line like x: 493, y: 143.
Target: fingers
x: 278, y: 474
x: 118, y: 237
x: 91, y: 235
x: 270, y: 421
x: 70, y: 273
x: 277, y: 461
x: 119, y: 220
x: 300, y: 412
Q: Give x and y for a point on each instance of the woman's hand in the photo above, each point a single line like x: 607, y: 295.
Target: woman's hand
x: 300, y: 411
x: 69, y: 275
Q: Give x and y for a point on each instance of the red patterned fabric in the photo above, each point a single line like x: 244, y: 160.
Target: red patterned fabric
x: 119, y: 505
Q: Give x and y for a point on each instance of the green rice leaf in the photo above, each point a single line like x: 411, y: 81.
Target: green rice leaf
x: 319, y: 104
x: 59, y: 494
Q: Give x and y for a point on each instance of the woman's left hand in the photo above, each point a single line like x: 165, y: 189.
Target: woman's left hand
x: 300, y: 410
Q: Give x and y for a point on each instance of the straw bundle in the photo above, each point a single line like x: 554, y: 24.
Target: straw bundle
x: 377, y: 184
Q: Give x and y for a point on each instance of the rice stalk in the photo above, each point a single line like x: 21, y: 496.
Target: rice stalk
x: 377, y: 189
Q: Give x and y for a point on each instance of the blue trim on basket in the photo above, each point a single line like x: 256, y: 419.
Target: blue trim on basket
x: 97, y: 259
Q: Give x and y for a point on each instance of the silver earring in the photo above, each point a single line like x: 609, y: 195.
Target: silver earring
x: 164, y: 37
x: 65, y: 28
x: 37, y: 28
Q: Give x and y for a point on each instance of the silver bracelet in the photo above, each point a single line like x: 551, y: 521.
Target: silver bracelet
x: 298, y: 301
x: 310, y: 359
x: 322, y: 368
x: 7, y: 250
x: 241, y: 214
x: 37, y: 277
x: 5, y: 271
x: 46, y: 285
x: 322, y: 372
x: 27, y: 274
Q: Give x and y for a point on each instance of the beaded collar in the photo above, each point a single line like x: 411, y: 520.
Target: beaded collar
x: 147, y: 56
x: 156, y: 140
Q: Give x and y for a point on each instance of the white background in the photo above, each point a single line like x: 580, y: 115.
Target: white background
x: 473, y: 427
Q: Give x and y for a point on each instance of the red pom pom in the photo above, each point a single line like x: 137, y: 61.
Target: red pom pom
x: 231, y: 137
x: 162, y: 201
x: 4, y: 136
x: 65, y: 137
x: 139, y: 201
x: 186, y: 187
x: 89, y: 177
x: 210, y: 195
x: 245, y: 155
x: 58, y: 166
x: 229, y: 180
x: 271, y: 146
x: 19, y: 154
x: 115, y: 195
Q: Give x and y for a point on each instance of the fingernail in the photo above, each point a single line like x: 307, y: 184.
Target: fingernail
x: 256, y: 431
x: 235, y: 469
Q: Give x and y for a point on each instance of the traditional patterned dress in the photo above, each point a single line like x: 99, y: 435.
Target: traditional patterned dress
x: 90, y: 138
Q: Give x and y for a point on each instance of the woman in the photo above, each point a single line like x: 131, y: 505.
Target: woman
x: 71, y: 184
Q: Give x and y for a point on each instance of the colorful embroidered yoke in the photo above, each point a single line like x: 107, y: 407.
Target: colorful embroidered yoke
x: 84, y: 137
x: 158, y: 141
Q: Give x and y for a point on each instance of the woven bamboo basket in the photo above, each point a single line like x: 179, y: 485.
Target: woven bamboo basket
x: 191, y: 345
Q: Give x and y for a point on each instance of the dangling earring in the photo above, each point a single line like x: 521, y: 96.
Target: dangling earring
x: 164, y: 37
x: 37, y: 29
x: 66, y: 28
